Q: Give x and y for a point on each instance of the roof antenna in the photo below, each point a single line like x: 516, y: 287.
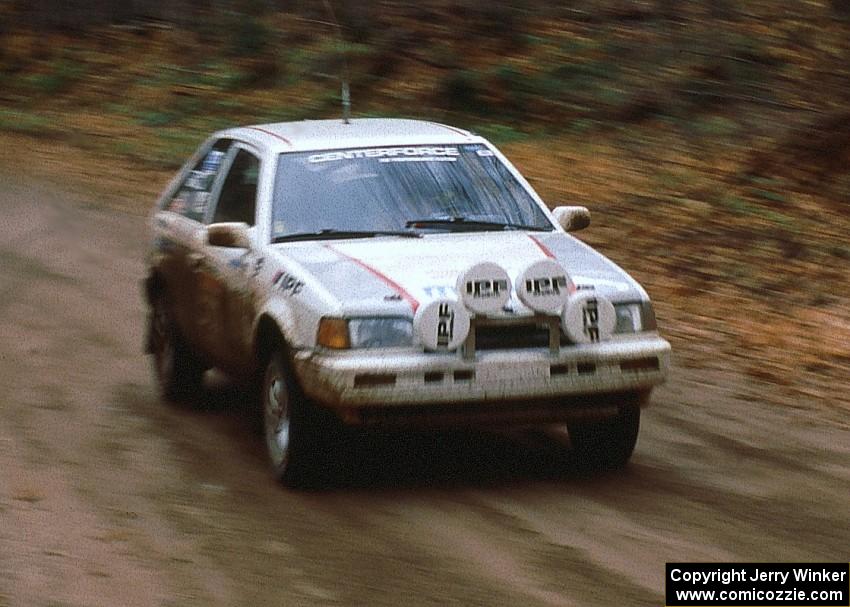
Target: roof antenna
x: 346, y: 90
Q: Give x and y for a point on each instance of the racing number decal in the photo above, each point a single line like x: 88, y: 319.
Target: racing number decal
x: 590, y: 319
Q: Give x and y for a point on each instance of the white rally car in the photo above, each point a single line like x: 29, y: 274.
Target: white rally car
x: 395, y: 273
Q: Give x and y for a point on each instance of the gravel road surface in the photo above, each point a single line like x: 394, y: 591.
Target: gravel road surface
x: 109, y: 496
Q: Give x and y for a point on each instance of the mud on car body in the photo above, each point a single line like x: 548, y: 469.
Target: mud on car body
x: 394, y: 273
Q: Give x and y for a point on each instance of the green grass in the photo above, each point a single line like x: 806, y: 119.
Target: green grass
x: 738, y: 205
x: 841, y: 251
x: 715, y: 126
x: 155, y: 118
x: 60, y: 77
x: 28, y: 123
x: 743, y: 207
x: 771, y: 196
x: 500, y: 133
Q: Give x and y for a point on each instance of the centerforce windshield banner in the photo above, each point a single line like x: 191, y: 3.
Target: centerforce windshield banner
x: 427, y: 153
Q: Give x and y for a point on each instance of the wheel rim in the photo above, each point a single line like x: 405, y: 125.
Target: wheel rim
x: 276, y: 416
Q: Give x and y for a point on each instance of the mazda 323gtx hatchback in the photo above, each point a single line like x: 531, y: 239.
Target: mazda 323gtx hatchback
x: 392, y: 273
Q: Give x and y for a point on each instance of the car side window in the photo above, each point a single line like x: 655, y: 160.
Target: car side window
x: 238, y: 198
x: 193, y: 196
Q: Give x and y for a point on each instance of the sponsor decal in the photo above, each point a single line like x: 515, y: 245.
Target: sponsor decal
x: 388, y: 154
x: 544, y: 287
x: 241, y: 262
x: 590, y: 319
x: 445, y: 325
x: 212, y: 161
x: 258, y: 266
x: 441, y: 325
x: 177, y: 205
x: 439, y: 291
x: 484, y: 288
x: 287, y: 283
x: 593, y: 282
x: 422, y: 159
x: 198, y: 202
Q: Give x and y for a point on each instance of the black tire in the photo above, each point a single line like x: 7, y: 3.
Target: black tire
x: 177, y: 369
x: 293, y: 429
x: 607, y: 445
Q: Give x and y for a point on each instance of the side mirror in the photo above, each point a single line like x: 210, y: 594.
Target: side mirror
x: 572, y: 219
x: 232, y: 235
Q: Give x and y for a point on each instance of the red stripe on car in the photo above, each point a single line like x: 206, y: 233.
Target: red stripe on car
x: 414, y: 303
x: 267, y: 132
x: 550, y: 255
x: 542, y: 247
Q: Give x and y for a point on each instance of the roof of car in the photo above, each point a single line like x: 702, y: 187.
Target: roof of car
x: 360, y: 132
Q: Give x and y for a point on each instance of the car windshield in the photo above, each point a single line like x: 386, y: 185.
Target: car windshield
x: 437, y: 187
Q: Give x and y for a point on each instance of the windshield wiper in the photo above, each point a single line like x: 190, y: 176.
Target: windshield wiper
x: 334, y: 234
x: 461, y: 223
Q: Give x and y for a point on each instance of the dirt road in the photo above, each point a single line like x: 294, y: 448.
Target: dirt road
x: 110, y: 497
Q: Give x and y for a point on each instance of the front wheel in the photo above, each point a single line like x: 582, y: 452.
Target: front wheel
x: 607, y: 444
x: 290, y: 425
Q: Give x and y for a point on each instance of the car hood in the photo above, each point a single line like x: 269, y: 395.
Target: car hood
x: 412, y: 271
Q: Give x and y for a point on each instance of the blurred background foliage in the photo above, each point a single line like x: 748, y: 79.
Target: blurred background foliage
x: 716, y: 70
x: 712, y: 137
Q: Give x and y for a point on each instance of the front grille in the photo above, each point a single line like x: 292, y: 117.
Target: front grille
x: 511, y: 333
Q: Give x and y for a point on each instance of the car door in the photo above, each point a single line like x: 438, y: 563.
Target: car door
x: 178, y: 228
x: 227, y: 308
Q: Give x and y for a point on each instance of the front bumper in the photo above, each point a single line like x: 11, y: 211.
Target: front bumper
x: 363, y: 385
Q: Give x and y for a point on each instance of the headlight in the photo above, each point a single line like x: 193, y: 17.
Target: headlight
x: 628, y: 318
x: 635, y: 317
x: 383, y: 332
x: 380, y: 332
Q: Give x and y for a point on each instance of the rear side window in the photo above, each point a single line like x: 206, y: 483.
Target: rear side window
x: 238, y: 198
x: 193, y: 196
